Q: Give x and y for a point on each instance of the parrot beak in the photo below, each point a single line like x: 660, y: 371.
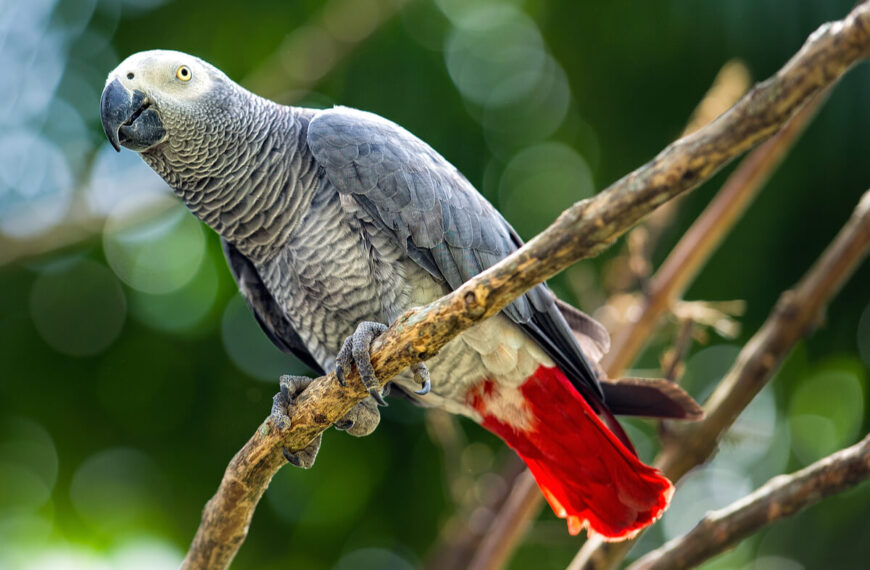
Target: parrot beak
x: 129, y: 119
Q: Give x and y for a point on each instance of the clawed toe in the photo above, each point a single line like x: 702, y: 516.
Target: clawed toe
x: 357, y: 350
x: 290, y: 388
x: 291, y: 458
x: 304, y: 458
x: 361, y: 420
x: 343, y: 424
x: 375, y: 393
x: 421, y: 375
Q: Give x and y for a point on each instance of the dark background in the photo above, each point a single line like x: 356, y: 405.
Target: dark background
x: 131, y: 370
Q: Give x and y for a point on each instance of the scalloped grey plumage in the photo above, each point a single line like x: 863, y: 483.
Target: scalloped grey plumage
x: 443, y: 223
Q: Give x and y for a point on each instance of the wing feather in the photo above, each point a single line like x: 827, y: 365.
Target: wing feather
x: 439, y: 218
x: 265, y: 308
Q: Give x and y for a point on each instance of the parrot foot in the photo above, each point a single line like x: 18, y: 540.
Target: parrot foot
x: 421, y: 375
x: 362, y: 419
x: 357, y: 350
x: 291, y: 387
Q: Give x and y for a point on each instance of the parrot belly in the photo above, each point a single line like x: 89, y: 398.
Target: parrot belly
x: 494, y: 374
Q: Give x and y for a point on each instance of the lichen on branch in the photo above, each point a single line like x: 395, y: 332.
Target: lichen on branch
x: 582, y: 231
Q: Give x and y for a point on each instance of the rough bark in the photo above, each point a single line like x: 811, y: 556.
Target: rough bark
x: 582, y: 231
x: 793, y: 317
x: 781, y: 497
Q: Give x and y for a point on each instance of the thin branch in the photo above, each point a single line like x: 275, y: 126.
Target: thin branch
x: 678, y: 271
x: 729, y: 85
x: 792, y: 318
x: 673, y: 361
x: 513, y: 518
x: 781, y: 497
x: 523, y: 502
x: 582, y: 231
x: 704, y: 236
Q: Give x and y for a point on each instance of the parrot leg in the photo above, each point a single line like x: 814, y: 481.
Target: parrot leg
x: 356, y: 350
x: 360, y: 421
x: 291, y: 387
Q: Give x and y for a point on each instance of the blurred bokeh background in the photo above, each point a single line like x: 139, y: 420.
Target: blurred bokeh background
x: 131, y: 370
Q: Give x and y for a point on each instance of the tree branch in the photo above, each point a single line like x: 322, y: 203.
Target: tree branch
x: 704, y: 236
x: 583, y: 230
x: 781, y: 497
x: 460, y: 542
x: 791, y: 319
x: 670, y: 281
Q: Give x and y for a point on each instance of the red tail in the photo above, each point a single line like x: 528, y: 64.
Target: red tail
x: 587, y: 475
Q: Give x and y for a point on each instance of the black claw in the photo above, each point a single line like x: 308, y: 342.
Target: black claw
x: 291, y: 458
x: 343, y: 425
x: 339, y: 375
x: 376, y: 396
x: 427, y: 385
x: 421, y: 375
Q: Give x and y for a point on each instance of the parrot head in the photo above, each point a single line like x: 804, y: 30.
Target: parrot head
x: 156, y: 95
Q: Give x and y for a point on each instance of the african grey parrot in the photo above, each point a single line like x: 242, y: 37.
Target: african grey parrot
x: 335, y: 222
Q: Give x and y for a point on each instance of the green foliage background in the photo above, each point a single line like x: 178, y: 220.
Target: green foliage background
x: 123, y: 395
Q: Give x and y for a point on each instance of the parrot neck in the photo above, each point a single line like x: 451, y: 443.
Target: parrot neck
x: 250, y: 179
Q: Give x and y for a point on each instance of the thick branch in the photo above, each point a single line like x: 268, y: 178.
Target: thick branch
x: 781, y: 497
x: 683, y: 264
x: 703, y: 238
x: 583, y: 230
x: 793, y: 318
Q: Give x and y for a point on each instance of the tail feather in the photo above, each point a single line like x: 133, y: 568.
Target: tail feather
x: 587, y: 475
x: 651, y: 397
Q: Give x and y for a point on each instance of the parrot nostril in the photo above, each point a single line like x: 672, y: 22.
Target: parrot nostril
x: 130, y: 75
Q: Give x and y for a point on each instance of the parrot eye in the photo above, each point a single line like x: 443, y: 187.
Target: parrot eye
x: 183, y: 73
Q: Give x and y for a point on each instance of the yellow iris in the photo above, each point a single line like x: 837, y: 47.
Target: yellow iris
x: 183, y: 73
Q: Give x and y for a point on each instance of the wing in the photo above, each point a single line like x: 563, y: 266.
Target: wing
x: 265, y: 308
x: 438, y: 217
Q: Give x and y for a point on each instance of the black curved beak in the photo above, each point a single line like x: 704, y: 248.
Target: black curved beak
x: 129, y: 119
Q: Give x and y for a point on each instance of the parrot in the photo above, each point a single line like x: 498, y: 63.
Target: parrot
x: 334, y: 222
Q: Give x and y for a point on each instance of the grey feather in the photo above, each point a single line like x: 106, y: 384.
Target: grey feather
x: 435, y: 213
x: 267, y: 312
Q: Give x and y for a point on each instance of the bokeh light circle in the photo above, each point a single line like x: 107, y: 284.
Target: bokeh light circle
x: 514, y: 121
x: 700, y: 491
x: 123, y: 180
x: 28, y: 466
x: 78, y: 307
x: 157, y: 254
x: 541, y: 181
x: 750, y: 438
x: 119, y: 489
x: 495, y: 55
x: 35, y: 183
x: 182, y: 310
x: 825, y: 413
x: 250, y: 349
